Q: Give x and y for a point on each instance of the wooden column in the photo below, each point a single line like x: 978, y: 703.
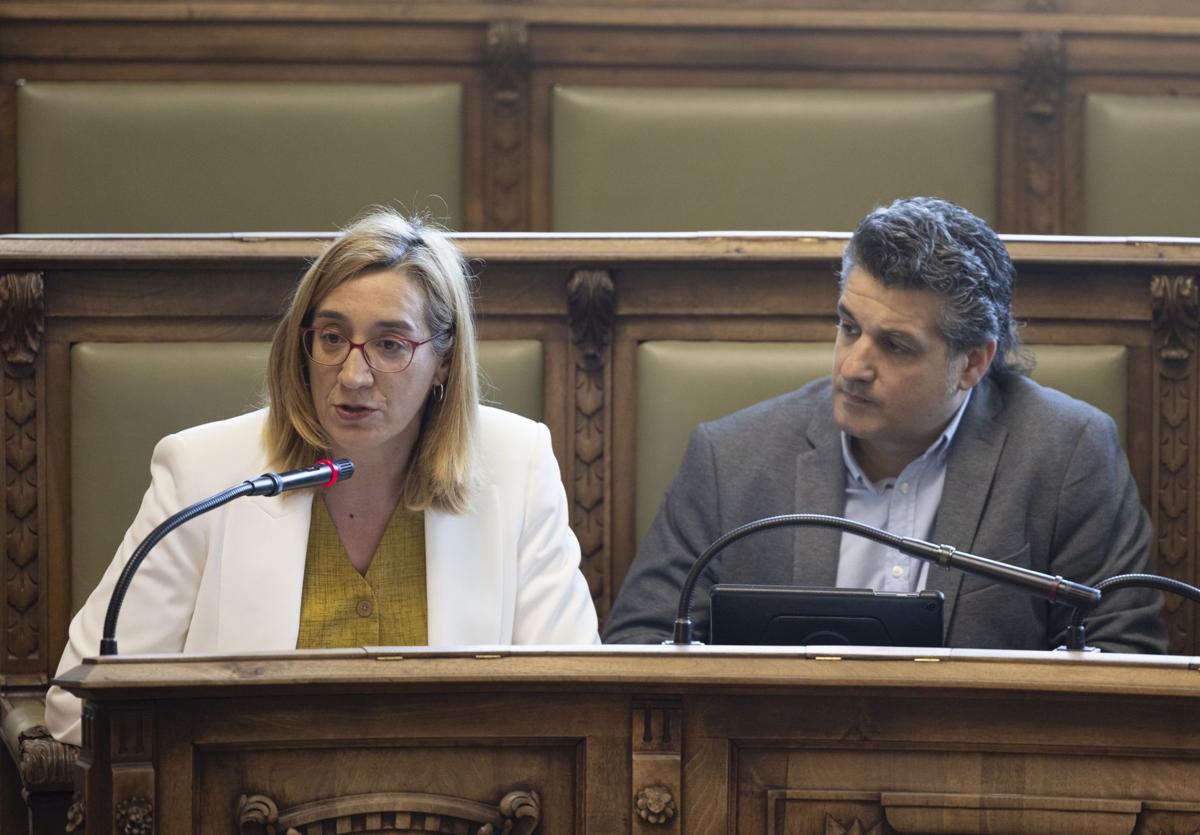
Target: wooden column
x: 591, y: 301
x: 1039, y: 148
x: 506, y: 155
x: 22, y: 316
x: 657, y: 770
x: 1176, y: 316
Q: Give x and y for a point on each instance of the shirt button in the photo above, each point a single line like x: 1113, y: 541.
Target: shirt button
x: 364, y: 608
x: 904, y: 487
x: 896, y: 571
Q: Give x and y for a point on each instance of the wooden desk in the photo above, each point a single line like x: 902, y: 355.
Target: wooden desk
x: 797, y: 741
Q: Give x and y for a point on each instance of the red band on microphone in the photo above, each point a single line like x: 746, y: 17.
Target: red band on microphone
x: 334, y: 472
x: 1053, y: 595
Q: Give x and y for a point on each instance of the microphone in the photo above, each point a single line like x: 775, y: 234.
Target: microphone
x: 324, y: 473
x: 1053, y: 588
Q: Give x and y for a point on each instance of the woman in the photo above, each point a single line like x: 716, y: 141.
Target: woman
x: 453, y: 529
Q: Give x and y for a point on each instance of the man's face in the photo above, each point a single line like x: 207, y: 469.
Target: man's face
x: 896, y: 384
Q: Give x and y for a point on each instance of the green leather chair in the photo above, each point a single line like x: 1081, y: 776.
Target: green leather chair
x: 1142, y: 165
x: 125, y: 396
x: 682, y: 384
x: 220, y: 157
x: 682, y: 158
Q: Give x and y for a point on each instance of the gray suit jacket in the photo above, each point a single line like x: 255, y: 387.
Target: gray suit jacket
x: 1034, y: 478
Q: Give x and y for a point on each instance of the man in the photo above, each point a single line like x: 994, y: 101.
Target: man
x: 928, y: 428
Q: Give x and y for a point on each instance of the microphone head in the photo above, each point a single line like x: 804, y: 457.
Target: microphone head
x: 344, y: 468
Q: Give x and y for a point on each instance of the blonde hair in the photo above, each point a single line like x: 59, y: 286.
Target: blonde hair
x: 443, y: 468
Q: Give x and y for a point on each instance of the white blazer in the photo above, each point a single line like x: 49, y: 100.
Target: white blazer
x: 504, y: 572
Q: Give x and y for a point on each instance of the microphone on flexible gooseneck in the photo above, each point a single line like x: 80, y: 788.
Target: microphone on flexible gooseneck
x: 324, y: 473
x: 1055, y: 589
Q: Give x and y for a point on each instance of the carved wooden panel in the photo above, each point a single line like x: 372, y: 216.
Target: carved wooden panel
x: 657, y: 788
x: 792, y: 811
x: 936, y: 813
x: 506, y: 187
x: 1168, y: 819
x: 591, y: 300
x: 1176, y: 315
x: 797, y: 811
x: 1042, y: 79
x: 22, y: 315
x: 517, y: 813
x: 133, y: 776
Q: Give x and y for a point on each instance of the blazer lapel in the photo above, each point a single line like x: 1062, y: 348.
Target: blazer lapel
x: 820, y: 480
x: 970, y: 470
x: 263, y: 550
x: 468, y: 590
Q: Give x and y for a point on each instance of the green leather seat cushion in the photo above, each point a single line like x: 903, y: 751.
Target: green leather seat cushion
x: 657, y: 158
x: 682, y: 384
x: 1142, y: 165
x: 125, y: 396
x: 218, y: 157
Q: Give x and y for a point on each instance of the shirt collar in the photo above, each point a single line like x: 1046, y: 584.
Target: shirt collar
x: 937, y: 451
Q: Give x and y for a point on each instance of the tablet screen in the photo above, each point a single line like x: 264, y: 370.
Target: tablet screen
x: 795, y: 616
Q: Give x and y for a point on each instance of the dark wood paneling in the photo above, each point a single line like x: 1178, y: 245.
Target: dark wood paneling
x: 1041, y: 56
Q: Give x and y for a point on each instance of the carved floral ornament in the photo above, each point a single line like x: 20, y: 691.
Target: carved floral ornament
x: 517, y: 813
x: 135, y: 816
x: 655, y: 804
x: 1175, y: 315
x: 22, y: 315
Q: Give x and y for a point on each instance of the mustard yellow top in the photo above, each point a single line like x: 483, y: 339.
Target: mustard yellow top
x: 385, y: 607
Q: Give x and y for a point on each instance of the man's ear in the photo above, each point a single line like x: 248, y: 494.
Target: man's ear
x: 979, y: 360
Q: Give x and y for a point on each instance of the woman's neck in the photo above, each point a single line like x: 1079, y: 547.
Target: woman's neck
x: 361, y: 508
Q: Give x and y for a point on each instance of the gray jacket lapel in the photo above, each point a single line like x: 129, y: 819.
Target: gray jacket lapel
x: 820, y: 488
x: 969, y: 473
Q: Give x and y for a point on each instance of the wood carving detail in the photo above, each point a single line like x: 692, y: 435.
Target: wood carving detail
x: 22, y: 320
x: 654, y: 804
x: 656, y: 737
x: 1173, y: 822
x: 1175, y: 318
x: 592, y: 304
x: 45, y: 760
x: 505, y: 186
x: 76, y: 816
x: 1042, y: 79
x: 517, y: 813
x: 833, y: 827
x: 135, y: 816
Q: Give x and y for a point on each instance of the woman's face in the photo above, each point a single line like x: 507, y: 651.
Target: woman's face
x: 368, y: 415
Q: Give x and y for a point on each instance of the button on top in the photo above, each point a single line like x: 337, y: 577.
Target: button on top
x: 897, y: 570
x: 904, y: 487
x: 364, y: 608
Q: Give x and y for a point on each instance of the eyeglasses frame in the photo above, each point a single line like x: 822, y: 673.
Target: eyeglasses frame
x: 362, y: 347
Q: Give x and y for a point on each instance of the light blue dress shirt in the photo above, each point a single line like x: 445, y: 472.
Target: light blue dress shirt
x: 905, y: 506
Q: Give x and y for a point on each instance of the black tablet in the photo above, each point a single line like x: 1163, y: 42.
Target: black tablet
x: 793, y: 616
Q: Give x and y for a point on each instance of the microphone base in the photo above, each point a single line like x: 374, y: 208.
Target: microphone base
x: 108, y: 646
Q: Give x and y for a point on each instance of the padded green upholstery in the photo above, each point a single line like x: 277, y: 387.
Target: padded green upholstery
x: 648, y: 159
x: 214, y: 157
x: 681, y: 384
x: 1142, y: 165
x: 125, y: 396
